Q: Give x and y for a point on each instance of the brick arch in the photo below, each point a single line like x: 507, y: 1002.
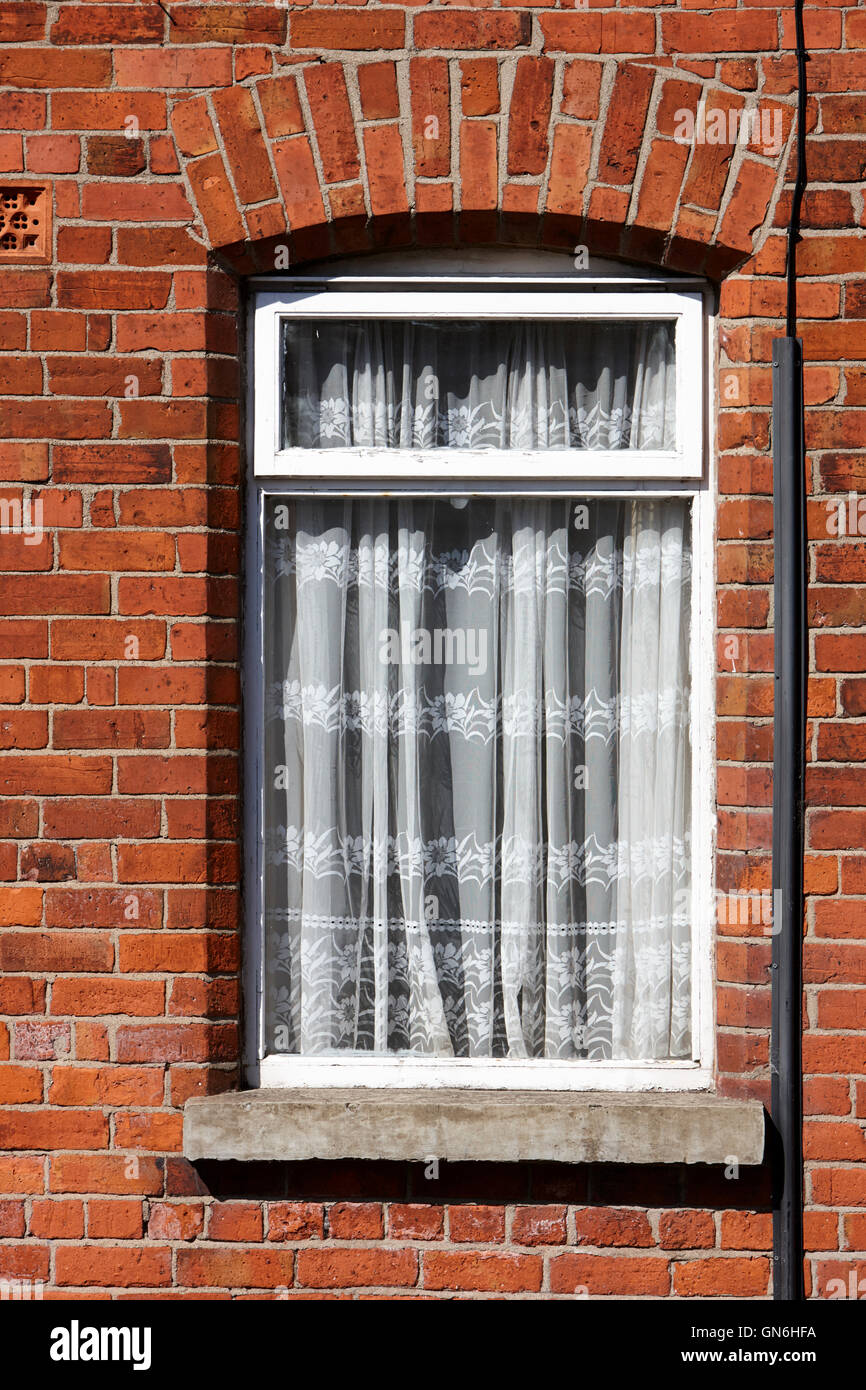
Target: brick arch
x: 552, y: 151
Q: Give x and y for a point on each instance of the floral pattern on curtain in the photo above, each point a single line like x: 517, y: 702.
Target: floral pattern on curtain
x: 478, y: 777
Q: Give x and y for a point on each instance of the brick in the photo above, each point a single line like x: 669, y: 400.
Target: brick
x: 478, y: 165
x: 24, y: 289
x: 244, y: 144
x: 20, y: 1086
x: 581, y: 89
x: 113, y: 156
x: 29, y: 1262
x: 748, y: 205
x: 295, y: 1221
x: 22, y: 23
x: 227, y: 24
x: 105, y: 111
x: 12, y: 684
x: 529, y: 116
x: 686, y: 1230
x: 103, y: 907
x: 54, y: 775
x: 235, y: 1221
x: 53, y: 154
x: 95, y: 998
x: 569, y: 169
x: 299, y: 182
x: 180, y: 775
x: 469, y: 29
x: 157, y: 246
x: 110, y: 639
x: 431, y: 120
x: 162, y: 1133
x: 384, y: 156
x: 42, y: 1041
x: 13, y: 331
x: 235, y: 1268
x: 476, y: 1223
x: 89, y: 1266
x: 606, y: 1274
x: 22, y: 996
x: 91, y: 1042
x: 357, y: 1268
x: 608, y: 1226
x: 106, y: 24
x: 57, y: 1220
x: 176, y: 1042
x: 133, y: 202
x: 23, y: 462
x: 728, y: 1278
x: 204, y: 998
x: 21, y: 906
x: 163, y: 419
x: 350, y: 29
x: 12, y: 1222
x: 121, y: 550
x: 115, y: 463
x: 56, y: 951
x: 47, y: 863
x: 826, y: 1096
x: 175, y: 1220
x: 744, y: 31
x: 539, y: 1226
x: 112, y: 729
x: 178, y: 597
x: 76, y: 419
x: 112, y: 289
x: 746, y: 1230
x: 185, y: 951
x: 482, y: 1270
x: 22, y: 110
x: 204, y: 67
x: 35, y: 67
x: 332, y: 118
x: 281, y: 106
x: 377, y: 83
x: 415, y: 1221
x: 43, y: 1129
x: 114, y: 1220
x: 355, y: 1221
x: 21, y: 1174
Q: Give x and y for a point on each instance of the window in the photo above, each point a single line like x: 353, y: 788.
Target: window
x: 476, y: 682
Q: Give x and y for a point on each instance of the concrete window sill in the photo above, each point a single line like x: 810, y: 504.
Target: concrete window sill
x: 474, y: 1126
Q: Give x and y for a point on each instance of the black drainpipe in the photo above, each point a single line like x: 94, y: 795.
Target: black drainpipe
x: 790, y: 577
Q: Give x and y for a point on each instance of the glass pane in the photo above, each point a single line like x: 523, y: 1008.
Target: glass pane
x: 406, y: 384
x: 477, y: 775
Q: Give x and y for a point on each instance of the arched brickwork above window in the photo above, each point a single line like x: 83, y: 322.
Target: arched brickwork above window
x: 553, y: 151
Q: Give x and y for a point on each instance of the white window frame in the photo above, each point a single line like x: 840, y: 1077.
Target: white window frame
x: 685, y: 309
x: 685, y: 471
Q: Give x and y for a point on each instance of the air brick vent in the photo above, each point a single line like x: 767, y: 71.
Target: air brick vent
x: 25, y: 222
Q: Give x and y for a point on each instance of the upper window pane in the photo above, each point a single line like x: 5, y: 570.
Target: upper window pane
x: 488, y: 384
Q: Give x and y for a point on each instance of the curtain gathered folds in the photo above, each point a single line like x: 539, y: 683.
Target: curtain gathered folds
x: 477, y: 777
x: 489, y: 384
x: 477, y: 759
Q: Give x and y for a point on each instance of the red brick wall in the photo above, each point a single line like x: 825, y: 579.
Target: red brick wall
x: 180, y: 150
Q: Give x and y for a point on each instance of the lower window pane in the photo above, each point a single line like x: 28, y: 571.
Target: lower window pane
x: 477, y: 777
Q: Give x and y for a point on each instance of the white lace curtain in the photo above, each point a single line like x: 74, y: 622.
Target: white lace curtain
x: 477, y: 768
x: 483, y: 385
